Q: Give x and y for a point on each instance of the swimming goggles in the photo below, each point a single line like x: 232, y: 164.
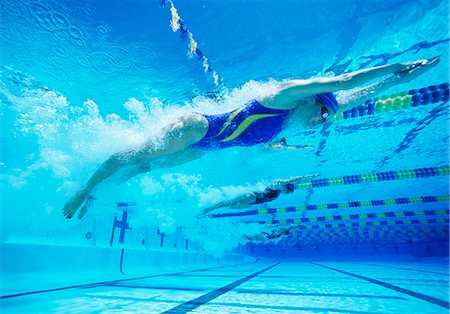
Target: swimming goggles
x: 324, y: 113
x: 329, y: 104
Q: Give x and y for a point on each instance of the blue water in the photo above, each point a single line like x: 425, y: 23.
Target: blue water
x: 82, y: 80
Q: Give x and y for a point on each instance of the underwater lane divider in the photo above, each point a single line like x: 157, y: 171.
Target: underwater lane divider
x: 368, y: 230
x: 349, y: 234
x: 421, y: 217
x: 376, y: 177
x: 177, y: 24
x: 333, y: 236
x: 413, y: 98
x: 365, y: 232
x: 352, y: 204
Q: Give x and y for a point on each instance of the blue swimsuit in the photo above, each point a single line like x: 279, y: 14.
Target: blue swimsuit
x: 246, y: 126
x: 250, y: 125
x: 266, y: 196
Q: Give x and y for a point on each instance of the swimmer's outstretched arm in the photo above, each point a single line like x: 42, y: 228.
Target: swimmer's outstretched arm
x: 215, y: 206
x: 291, y: 91
x: 281, y: 144
x: 361, y: 95
x: 274, y: 233
x: 241, y: 201
x: 276, y: 185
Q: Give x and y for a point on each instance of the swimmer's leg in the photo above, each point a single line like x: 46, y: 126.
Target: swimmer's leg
x: 133, y: 171
x: 176, y: 137
x: 108, y: 168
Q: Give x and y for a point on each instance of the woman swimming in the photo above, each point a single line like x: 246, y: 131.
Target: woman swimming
x: 270, y: 193
x: 296, y: 102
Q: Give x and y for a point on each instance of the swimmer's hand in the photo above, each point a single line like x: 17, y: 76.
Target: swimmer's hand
x: 414, y: 69
x: 204, y: 213
x: 282, y: 144
x: 308, y: 176
x: 202, y: 216
x: 291, y: 147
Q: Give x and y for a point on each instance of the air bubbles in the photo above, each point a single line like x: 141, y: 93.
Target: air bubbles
x: 88, y: 11
x: 43, y: 16
x: 145, y: 57
x: 58, y: 51
x: 104, y: 62
x: 60, y: 34
x: 60, y: 21
x: 84, y: 61
x: 75, y: 32
x: 172, y: 65
x: 122, y: 56
x: 80, y: 42
x: 38, y: 8
x: 59, y: 54
x: 102, y: 29
x: 57, y: 23
x: 16, y: 9
x: 77, y: 35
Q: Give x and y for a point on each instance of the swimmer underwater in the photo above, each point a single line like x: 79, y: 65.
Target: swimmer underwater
x: 270, y: 193
x: 295, y: 102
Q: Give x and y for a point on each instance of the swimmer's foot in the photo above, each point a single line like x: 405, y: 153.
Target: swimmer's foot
x: 87, y: 204
x: 72, y: 205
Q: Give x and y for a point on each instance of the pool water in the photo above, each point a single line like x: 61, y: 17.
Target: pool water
x: 83, y: 80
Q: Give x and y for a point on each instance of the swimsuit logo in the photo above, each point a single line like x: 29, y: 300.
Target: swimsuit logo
x: 229, y: 120
x: 244, y: 125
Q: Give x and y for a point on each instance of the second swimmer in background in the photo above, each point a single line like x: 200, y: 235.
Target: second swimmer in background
x: 270, y: 193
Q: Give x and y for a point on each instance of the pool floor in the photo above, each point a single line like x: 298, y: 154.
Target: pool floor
x: 261, y: 287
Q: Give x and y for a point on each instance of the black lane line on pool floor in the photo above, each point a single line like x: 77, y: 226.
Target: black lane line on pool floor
x: 195, y: 303
x: 418, y: 295
x: 103, y: 283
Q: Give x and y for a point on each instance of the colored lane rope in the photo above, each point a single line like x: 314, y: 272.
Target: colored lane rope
x: 368, y: 231
x: 363, y: 232
x: 439, y: 217
x: 376, y: 177
x: 337, y: 231
x: 352, y: 204
x: 413, y: 98
x: 177, y: 24
x: 366, y: 237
